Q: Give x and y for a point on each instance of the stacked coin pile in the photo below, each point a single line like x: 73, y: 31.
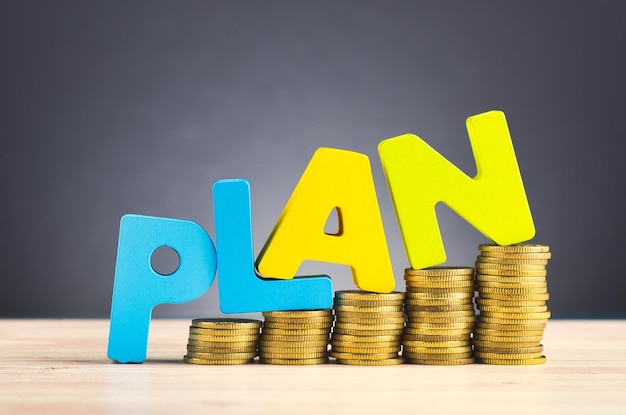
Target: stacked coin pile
x: 440, y: 315
x: 512, y: 295
x: 295, y: 337
x: 222, y: 341
x: 368, y: 328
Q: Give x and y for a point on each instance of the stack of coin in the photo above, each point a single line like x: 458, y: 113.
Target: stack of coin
x: 222, y: 341
x: 512, y: 295
x: 440, y: 315
x: 368, y: 328
x: 296, y: 337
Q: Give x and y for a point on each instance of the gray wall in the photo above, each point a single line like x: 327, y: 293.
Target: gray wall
x: 116, y: 107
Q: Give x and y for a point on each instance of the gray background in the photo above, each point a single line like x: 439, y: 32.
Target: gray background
x: 138, y: 107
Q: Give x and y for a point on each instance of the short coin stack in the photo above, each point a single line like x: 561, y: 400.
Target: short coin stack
x: 368, y: 328
x: 222, y: 341
x: 512, y: 295
x: 440, y: 315
x: 295, y: 337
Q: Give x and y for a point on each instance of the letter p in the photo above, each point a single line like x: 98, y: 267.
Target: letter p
x: 138, y: 288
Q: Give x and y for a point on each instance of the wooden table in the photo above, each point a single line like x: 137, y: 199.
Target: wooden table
x: 60, y: 366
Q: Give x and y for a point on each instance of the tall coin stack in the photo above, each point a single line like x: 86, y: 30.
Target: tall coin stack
x: 295, y: 337
x: 222, y: 341
x: 512, y: 295
x: 368, y: 328
x: 440, y: 315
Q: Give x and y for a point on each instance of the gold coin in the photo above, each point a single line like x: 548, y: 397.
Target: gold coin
x: 368, y: 296
x: 298, y: 362
x: 367, y: 303
x: 223, y: 332
x: 358, y: 330
x: 505, y: 267
x: 440, y: 320
x: 518, y: 248
x: 226, y: 323
x: 435, y: 282
x: 517, y: 289
x: 444, y: 344
x: 444, y: 281
x: 507, y: 340
x: 314, y: 354
x: 486, y: 345
x: 362, y: 345
x: 447, y: 315
x: 364, y: 339
x: 295, y: 314
x: 445, y: 291
x: 197, y: 361
x: 348, y: 309
x: 506, y: 356
x: 293, y: 353
x: 511, y: 351
x: 508, y: 284
x: 365, y: 362
x: 418, y: 316
x: 511, y: 295
x: 435, y: 338
x: 512, y: 272
x: 303, y: 339
x: 516, y: 255
x: 450, y: 285
x: 203, y: 343
x: 364, y: 321
x: 512, y: 321
x: 437, y: 357
x: 438, y: 302
x: 372, y: 356
x: 222, y: 356
x: 509, y: 303
x: 484, y: 278
x: 295, y: 332
x: 514, y: 362
x: 441, y: 296
x: 370, y: 315
x: 366, y: 350
x: 292, y: 344
x: 507, y: 332
x: 232, y: 349
x: 440, y: 331
x: 296, y: 326
x: 438, y: 350
x: 515, y: 297
x: 500, y: 309
x: 456, y: 362
x: 440, y: 309
x: 513, y: 316
x: 442, y: 326
x: 218, y: 339
x: 301, y: 322
x: 439, y: 271
x: 511, y: 261
x: 511, y: 328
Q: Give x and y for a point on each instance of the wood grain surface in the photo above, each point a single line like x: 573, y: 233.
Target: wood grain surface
x: 60, y: 366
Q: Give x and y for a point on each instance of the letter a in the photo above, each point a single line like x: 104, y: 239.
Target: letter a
x: 333, y: 179
x: 494, y: 201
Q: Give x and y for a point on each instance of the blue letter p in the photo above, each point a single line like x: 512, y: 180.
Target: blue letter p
x: 138, y: 287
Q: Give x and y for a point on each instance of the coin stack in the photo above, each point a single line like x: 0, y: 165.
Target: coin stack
x: 368, y: 328
x: 440, y: 315
x: 295, y: 337
x: 222, y: 341
x: 512, y: 295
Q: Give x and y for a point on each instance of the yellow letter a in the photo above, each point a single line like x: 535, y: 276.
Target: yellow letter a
x: 333, y: 179
x: 494, y: 202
